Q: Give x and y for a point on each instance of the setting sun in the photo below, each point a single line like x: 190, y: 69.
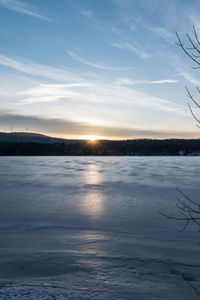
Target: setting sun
x: 91, y: 138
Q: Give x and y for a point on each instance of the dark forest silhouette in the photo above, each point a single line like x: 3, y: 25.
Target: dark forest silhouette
x: 140, y: 147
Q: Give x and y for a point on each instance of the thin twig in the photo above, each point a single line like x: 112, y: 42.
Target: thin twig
x: 191, y: 285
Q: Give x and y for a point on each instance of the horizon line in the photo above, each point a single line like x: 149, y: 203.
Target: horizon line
x: 87, y: 138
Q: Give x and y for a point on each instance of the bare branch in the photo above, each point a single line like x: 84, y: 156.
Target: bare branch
x: 184, y: 49
x: 191, y: 285
x: 178, y: 218
x: 195, y: 35
x: 198, y: 89
x: 196, y: 56
x: 185, y: 226
x: 189, y: 209
x: 193, y: 113
x: 192, y: 43
x: 186, y: 197
x: 191, y: 97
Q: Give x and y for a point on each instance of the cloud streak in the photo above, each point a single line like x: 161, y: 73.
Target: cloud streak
x: 23, y: 8
x: 94, y: 65
x: 50, y: 92
x: 134, y: 48
x: 127, y: 81
x: 97, y: 92
x: 163, y: 33
x: 88, y: 91
x: 72, y: 128
x: 33, y: 69
x: 190, y: 78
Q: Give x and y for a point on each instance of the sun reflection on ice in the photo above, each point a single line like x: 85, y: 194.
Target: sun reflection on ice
x: 93, y: 198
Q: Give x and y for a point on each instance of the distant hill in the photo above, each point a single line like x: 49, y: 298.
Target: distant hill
x: 26, y: 137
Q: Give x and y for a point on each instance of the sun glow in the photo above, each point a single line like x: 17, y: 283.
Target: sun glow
x: 92, y: 138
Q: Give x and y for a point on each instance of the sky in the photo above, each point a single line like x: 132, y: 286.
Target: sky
x: 105, y: 68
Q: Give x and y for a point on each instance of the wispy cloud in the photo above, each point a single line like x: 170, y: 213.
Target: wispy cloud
x: 23, y: 8
x: 50, y: 92
x: 188, y: 76
x: 94, y: 65
x: 33, y: 69
x: 128, y: 81
x: 86, y: 13
x: 98, y: 92
x: 163, y: 33
x: 163, y: 81
x: 135, y: 48
x: 90, y: 17
x: 115, y: 29
x: 78, y: 88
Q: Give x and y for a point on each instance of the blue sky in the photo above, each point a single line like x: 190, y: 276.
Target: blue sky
x: 110, y: 68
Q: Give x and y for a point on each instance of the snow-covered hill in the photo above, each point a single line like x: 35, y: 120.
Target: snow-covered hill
x: 26, y: 137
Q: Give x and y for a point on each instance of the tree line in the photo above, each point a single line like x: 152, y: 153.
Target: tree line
x: 139, y: 147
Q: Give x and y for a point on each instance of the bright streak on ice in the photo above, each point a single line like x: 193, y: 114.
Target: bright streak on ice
x: 93, y: 199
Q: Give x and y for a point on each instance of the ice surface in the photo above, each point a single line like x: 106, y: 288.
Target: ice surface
x: 93, y: 223
x: 32, y: 293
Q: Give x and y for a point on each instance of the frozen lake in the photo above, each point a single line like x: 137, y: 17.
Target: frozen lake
x: 92, y: 224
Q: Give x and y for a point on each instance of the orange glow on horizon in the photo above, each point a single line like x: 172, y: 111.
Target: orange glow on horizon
x: 92, y: 138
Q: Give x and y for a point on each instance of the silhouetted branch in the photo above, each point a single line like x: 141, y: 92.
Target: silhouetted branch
x: 191, y: 285
x: 189, y: 208
x: 192, y: 113
x: 185, y: 49
x: 196, y: 35
x: 191, y: 97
